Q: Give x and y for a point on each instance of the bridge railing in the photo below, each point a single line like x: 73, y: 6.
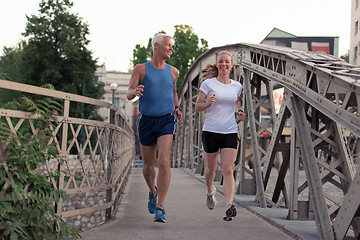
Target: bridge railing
x: 303, y: 154
x: 95, y: 155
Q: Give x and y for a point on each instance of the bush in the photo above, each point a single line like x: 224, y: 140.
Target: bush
x: 27, y: 196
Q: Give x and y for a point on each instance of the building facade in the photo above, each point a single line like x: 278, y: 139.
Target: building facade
x: 354, y: 55
x: 122, y: 80
x: 328, y: 45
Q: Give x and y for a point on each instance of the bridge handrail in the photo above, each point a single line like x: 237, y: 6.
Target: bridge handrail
x: 102, y: 158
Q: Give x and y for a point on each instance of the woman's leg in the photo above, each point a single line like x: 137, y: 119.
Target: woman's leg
x: 211, y: 164
x: 227, y: 157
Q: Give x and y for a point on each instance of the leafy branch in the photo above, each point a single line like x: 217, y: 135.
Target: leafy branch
x: 27, y: 196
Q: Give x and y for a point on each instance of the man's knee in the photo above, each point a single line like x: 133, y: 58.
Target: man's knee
x: 163, y: 164
x: 148, y: 166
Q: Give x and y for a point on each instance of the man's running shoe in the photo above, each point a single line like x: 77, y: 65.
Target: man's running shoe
x: 230, y: 212
x: 210, y: 199
x: 152, y: 201
x: 160, y: 214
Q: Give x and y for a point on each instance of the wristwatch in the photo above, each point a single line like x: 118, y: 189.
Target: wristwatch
x: 177, y: 107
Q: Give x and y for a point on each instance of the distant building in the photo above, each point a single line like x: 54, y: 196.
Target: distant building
x: 328, y: 45
x: 129, y: 108
x: 354, y: 55
x: 277, y: 37
x: 122, y: 80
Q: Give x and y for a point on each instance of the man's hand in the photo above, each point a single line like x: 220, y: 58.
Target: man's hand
x: 138, y: 90
x: 178, y: 114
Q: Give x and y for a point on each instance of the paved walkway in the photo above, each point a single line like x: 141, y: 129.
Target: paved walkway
x: 186, y: 213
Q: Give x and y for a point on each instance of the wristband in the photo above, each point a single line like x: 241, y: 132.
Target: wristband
x: 177, y: 107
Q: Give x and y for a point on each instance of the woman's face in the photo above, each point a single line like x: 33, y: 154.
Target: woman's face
x: 224, y: 64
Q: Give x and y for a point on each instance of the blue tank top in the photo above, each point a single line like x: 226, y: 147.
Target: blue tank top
x: 158, y: 95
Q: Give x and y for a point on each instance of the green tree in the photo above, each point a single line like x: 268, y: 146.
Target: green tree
x: 345, y: 57
x: 187, y: 47
x: 10, y: 69
x: 142, y: 54
x: 11, y: 62
x: 56, y: 53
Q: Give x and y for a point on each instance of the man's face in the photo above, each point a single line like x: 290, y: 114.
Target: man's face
x: 165, y: 48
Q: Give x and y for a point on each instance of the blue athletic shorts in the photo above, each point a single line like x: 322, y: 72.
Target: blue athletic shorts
x: 212, y: 142
x: 150, y: 128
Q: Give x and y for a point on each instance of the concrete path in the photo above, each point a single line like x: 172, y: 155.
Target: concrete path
x: 186, y: 213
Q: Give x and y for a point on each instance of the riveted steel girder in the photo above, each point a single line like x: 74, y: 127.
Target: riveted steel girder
x: 312, y: 140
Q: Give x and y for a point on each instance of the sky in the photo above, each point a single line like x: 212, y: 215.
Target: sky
x: 116, y: 26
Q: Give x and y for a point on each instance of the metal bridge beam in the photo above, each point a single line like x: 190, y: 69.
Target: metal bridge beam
x: 254, y: 141
x: 325, y: 130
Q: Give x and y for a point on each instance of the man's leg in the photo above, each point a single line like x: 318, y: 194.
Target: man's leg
x: 164, y: 144
x: 149, y: 159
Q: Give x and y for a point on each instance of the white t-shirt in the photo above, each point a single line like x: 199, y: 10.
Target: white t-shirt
x: 220, y: 117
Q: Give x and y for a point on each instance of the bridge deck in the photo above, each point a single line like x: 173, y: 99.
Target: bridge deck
x: 186, y: 212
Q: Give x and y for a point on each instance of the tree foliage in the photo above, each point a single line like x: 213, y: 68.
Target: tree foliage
x: 10, y: 68
x: 142, y: 54
x: 28, y: 197
x: 345, y: 57
x: 56, y: 53
x: 187, y: 47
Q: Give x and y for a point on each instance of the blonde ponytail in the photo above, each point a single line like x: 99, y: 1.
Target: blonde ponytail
x: 210, y: 72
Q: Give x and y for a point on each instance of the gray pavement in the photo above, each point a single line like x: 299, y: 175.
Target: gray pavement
x: 302, y: 229
x: 186, y: 213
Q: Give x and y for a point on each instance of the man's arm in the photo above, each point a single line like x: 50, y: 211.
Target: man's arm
x: 178, y: 113
x: 135, y: 89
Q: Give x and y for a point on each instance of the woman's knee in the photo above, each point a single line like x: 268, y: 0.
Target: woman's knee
x: 227, y: 171
x: 211, y: 169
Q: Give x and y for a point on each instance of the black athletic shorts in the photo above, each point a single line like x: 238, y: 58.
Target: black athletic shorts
x: 150, y: 128
x: 212, y: 142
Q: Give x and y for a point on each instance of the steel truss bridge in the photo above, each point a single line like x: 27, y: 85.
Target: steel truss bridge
x: 304, y: 158
x: 315, y: 132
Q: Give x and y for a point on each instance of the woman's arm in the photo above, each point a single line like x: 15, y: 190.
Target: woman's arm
x: 201, y: 105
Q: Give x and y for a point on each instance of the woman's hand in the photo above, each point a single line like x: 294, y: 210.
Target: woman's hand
x: 241, y: 115
x: 212, y: 100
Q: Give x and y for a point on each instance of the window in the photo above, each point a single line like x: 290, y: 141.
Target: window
x: 117, y: 101
x: 356, y: 27
x: 355, y: 52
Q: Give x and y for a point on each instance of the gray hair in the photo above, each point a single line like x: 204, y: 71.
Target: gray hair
x: 159, y: 38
